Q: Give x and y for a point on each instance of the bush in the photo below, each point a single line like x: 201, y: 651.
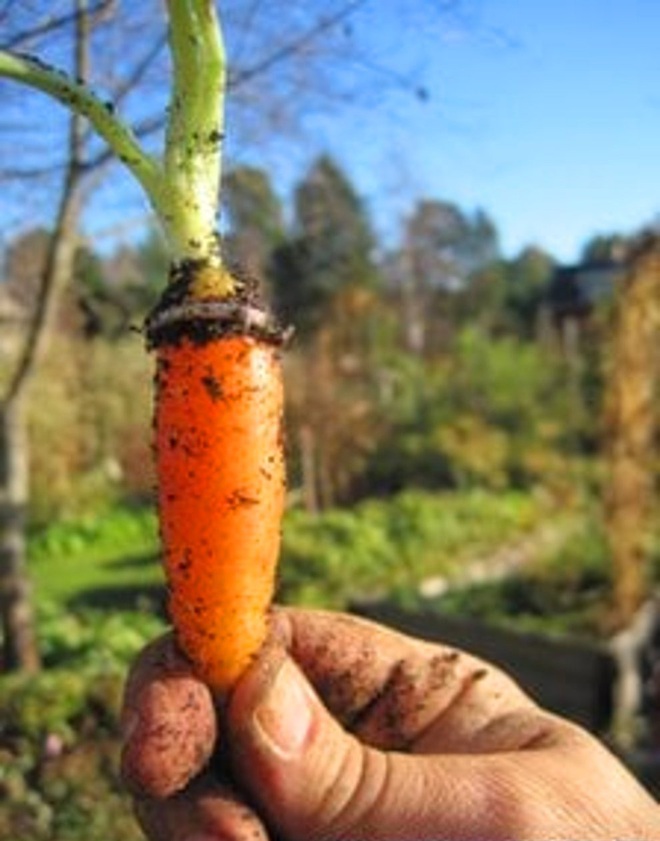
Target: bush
x: 112, y: 531
x: 90, y: 427
x: 93, y: 640
x: 565, y: 592
x: 491, y: 414
x: 59, y: 731
x: 96, y: 559
x: 383, y: 545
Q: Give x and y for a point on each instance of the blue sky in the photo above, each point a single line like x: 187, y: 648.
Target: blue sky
x: 547, y: 114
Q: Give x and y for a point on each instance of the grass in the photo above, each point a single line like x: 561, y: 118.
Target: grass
x: 110, y: 553
x: 565, y: 591
x: 111, y: 560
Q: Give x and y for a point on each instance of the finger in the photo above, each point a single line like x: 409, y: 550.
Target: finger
x: 311, y: 779
x: 206, y: 810
x: 169, y: 722
x: 393, y: 691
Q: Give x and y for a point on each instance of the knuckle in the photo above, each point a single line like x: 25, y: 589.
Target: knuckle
x: 354, y: 798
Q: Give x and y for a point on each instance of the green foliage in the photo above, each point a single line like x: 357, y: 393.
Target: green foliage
x: 101, y: 555
x: 59, y: 730
x: 507, y: 381
x: 383, y: 545
x: 476, y: 452
x: 327, y: 559
x: 562, y: 592
x: 88, y: 272
x: 96, y: 641
x: 112, y: 532
x: 256, y: 225
x: 331, y: 247
x: 253, y: 205
x: 491, y: 414
x: 527, y: 279
x: 602, y: 248
x: 90, y: 427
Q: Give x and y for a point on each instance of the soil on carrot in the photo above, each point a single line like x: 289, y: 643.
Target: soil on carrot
x: 242, y: 313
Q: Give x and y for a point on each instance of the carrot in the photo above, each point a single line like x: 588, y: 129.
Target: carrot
x: 220, y: 468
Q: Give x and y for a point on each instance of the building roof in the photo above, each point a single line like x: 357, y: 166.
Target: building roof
x: 576, y: 290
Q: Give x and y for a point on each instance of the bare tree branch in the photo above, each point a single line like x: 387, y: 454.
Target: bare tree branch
x: 36, y: 173
x: 20, y: 39
x: 61, y: 245
x: 294, y: 46
x: 140, y: 69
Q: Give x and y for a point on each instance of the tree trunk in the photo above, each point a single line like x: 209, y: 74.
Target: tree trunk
x: 17, y: 620
x: 630, y: 425
x: 20, y: 651
x: 20, y: 648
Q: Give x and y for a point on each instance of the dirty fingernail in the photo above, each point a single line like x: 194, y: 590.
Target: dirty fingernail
x: 283, y: 718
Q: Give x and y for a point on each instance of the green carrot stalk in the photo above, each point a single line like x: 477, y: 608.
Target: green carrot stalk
x: 183, y: 185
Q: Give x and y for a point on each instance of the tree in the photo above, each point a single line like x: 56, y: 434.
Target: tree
x: 442, y: 247
x: 20, y: 649
x: 24, y: 264
x: 255, y: 218
x: 527, y: 279
x: 604, y: 248
x: 332, y: 247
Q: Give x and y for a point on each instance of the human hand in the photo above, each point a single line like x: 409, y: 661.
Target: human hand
x: 343, y: 729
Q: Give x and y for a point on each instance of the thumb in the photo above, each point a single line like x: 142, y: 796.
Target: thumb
x: 307, y: 776
x: 310, y: 779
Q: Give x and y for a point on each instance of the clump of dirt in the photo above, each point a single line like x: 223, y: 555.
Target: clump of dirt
x: 181, y: 314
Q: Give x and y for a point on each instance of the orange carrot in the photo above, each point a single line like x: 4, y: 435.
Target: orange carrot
x: 220, y: 468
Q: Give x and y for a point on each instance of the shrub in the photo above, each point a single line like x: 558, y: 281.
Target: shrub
x: 565, y: 591
x: 90, y: 427
x: 59, y: 730
x: 492, y: 413
x: 383, y: 545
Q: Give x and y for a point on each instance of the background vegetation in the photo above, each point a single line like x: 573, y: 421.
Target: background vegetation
x: 437, y: 423
x: 450, y: 409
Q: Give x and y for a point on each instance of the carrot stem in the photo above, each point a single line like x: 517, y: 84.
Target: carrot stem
x: 196, y: 125
x: 183, y: 185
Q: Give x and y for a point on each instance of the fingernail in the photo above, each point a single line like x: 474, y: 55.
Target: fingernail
x: 284, y: 716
